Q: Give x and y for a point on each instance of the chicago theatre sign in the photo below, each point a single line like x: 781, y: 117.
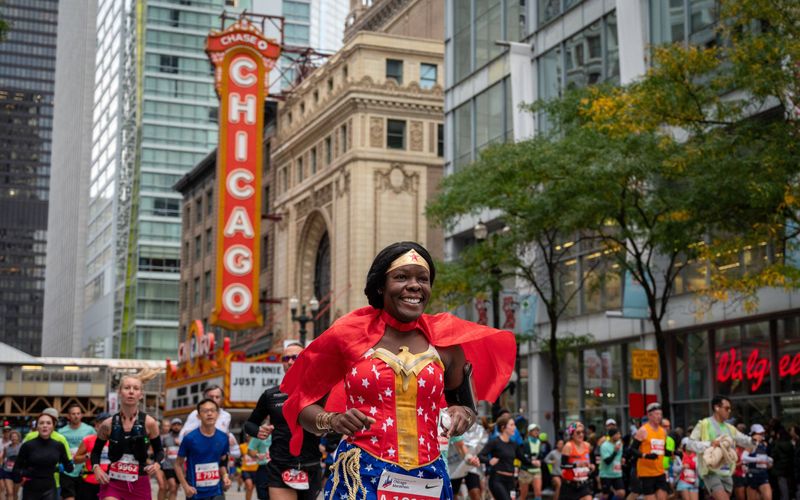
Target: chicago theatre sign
x: 242, y: 59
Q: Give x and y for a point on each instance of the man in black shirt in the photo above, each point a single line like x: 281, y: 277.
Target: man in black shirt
x: 288, y: 477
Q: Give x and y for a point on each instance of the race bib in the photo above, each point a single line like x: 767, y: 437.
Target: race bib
x: 248, y: 460
x: 393, y: 486
x: 617, y: 467
x: 125, y: 469
x: 206, y: 475
x: 172, y: 452
x: 295, y: 479
x: 9, y: 465
x: 762, y: 462
x: 689, y: 476
x: 581, y: 473
x: 657, y: 446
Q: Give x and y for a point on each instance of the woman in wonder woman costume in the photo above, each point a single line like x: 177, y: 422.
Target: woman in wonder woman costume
x: 394, y: 368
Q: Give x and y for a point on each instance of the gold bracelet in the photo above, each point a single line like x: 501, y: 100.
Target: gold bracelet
x: 323, y: 421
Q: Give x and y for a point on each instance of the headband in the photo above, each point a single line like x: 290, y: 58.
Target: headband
x: 409, y: 258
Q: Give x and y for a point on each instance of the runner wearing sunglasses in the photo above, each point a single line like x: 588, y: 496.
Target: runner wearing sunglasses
x: 288, y: 477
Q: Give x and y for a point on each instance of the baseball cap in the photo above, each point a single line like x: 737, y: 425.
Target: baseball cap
x: 176, y: 420
x: 653, y: 406
x: 51, y: 412
x: 757, y: 429
x: 532, y: 427
x: 611, y: 421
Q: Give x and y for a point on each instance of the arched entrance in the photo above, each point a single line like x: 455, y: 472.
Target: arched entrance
x: 322, y: 284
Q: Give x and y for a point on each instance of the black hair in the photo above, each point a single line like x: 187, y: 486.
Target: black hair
x: 71, y: 406
x: 718, y: 399
x: 204, y: 401
x: 376, y: 277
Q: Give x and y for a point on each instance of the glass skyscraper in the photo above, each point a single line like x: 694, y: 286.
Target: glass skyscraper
x: 27, y: 74
x: 155, y: 117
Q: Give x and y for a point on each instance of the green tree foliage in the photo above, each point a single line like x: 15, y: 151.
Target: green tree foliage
x: 697, y: 161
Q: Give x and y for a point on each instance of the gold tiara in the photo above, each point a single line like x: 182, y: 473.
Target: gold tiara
x: 409, y: 258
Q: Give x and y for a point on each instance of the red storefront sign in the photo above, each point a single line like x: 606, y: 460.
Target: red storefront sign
x: 242, y: 58
x: 732, y: 366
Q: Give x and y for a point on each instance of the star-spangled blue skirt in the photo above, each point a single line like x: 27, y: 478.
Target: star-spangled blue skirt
x: 370, y: 469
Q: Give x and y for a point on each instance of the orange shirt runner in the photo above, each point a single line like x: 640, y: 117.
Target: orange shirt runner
x: 654, y: 442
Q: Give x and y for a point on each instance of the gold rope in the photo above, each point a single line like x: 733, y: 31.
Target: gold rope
x: 350, y: 461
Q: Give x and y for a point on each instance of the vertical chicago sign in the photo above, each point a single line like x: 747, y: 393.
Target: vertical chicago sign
x: 242, y: 58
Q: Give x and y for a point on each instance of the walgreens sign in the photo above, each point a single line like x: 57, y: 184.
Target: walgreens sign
x: 242, y: 59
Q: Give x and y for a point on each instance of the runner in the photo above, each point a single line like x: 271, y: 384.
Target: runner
x: 758, y: 463
x: 649, y: 447
x: 54, y: 435
x: 256, y: 451
x: 553, y: 461
x: 10, y: 451
x: 205, y: 453
x: 611, y: 465
x: 73, y: 432
x: 287, y: 476
x: 89, y: 488
x: 576, y: 465
x: 499, y: 454
x: 715, y: 432
x: 396, y: 364
x: 129, y: 433
x: 37, y: 459
x: 532, y: 475
x: 688, y: 483
x: 169, y: 442
x: 215, y: 393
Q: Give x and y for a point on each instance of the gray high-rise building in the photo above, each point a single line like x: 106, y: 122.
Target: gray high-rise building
x: 27, y: 67
x: 72, y: 145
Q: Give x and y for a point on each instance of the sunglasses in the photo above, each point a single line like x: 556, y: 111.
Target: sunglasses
x: 286, y: 359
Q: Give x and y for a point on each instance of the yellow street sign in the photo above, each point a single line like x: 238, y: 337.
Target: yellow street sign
x: 645, y: 364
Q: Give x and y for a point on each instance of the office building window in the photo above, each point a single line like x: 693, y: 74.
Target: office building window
x: 196, y: 292
x: 589, y: 57
x: 198, y: 210
x: 207, y: 285
x: 489, y: 116
x: 313, y: 160
x: 394, y: 70
x: 440, y: 140
x: 668, y: 21
x: 478, y: 25
x: 264, y: 251
x: 210, y: 201
x: 396, y: 134
x: 427, y: 75
x: 209, y: 242
x: 198, y: 249
x: 463, y: 135
x: 168, y: 64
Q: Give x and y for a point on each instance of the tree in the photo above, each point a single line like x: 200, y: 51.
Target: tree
x: 693, y: 162
x: 529, y: 183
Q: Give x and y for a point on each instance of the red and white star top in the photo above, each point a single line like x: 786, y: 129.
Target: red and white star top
x: 403, y: 393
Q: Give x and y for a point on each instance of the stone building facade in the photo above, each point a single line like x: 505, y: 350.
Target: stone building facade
x: 357, y: 153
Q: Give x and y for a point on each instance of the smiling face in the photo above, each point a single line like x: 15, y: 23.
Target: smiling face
x: 406, y: 292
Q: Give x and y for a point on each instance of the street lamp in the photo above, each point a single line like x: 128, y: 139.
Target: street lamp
x: 303, y: 319
x: 481, y: 232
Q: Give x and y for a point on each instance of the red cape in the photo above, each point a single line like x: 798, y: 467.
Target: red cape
x: 324, y: 363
